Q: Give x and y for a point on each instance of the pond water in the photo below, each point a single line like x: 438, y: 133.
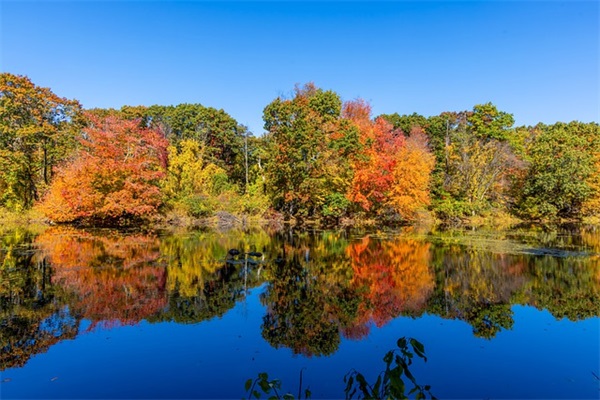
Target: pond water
x: 106, y: 314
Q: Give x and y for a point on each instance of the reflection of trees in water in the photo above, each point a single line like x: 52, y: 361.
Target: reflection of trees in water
x: 33, y: 315
x: 314, y: 295
x: 201, y: 284
x: 52, y: 281
x: 307, y: 295
x: 590, y: 236
x: 480, y: 287
x: 476, y: 287
x: 394, y: 277
x: 319, y: 288
x: 115, y: 277
x: 33, y: 331
x: 219, y: 293
x: 566, y: 287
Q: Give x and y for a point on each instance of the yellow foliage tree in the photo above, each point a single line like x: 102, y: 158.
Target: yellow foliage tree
x: 409, y: 191
x: 591, y: 206
x: 192, y: 182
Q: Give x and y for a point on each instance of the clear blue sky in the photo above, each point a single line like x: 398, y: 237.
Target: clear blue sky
x: 536, y: 60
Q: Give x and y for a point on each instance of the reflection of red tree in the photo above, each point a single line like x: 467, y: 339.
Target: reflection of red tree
x: 112, y: 275
x: 358, y: 330
x: 395, y: 277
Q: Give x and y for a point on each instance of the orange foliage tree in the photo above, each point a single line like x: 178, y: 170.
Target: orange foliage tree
x: 374, y: 165
x: 412, y: 176
x: 392, y: 169
x: 115, y: 175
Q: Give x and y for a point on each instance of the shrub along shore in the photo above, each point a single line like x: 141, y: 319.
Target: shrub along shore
x: 322, y: 162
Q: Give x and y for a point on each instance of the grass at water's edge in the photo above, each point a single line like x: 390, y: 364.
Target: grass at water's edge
x: 31, y: 219
x: 500, y: 221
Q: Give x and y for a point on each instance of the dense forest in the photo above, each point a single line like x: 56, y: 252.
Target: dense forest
x: 321, y: 159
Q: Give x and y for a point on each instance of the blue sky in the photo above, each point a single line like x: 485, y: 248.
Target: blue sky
x: 536, y: 60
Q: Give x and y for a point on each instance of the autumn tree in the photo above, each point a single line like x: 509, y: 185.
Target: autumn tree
x: 374, y: 165
x: 223, y: 139
x: 591, y: 206
x: 392, y: 169
x: 37, y: 132
x: 115, y: 175
x: 226, y: 143
x: 410, y: 190
x: 308, y: 143
x: 192, y: 181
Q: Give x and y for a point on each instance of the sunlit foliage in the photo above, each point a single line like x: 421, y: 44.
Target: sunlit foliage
x: 37, y: 132
x: 410, y: 191
x: 115, y: 175
x: 321, y: 160
x: 374, y: 164
x: 563, y: 173
x: 307, y: 145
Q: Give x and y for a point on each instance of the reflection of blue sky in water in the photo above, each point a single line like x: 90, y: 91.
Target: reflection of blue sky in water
x: 539, y: 356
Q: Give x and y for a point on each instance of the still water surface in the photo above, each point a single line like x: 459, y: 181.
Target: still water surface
x: 105, y: 314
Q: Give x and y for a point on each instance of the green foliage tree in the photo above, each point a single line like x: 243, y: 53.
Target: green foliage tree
x: 406, y: 123
x: 473, y: 157
x: 487, y: 122
x: 559, y: 179
x: 38, y: 131
x: 222, y: 138
x: 307, y: 140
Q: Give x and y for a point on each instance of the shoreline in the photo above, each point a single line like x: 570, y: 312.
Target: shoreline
x: 224, y: 221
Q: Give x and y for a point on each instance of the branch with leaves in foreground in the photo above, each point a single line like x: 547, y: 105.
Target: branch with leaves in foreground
x: 390, y: 383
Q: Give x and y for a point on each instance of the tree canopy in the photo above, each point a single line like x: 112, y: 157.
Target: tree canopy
x: 320, y: 159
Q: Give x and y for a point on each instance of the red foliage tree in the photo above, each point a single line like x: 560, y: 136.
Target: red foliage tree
x: 374, y: 166
x: 115, y: 175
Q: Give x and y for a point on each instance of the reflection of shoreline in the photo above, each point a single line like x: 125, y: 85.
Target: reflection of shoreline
x: 23, y: 337
x: 320, y: 287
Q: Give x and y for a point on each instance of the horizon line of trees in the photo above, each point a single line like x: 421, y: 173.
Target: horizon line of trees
x: 321, y: 158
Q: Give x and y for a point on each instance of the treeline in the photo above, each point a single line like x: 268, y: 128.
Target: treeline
x: 320, y: 159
